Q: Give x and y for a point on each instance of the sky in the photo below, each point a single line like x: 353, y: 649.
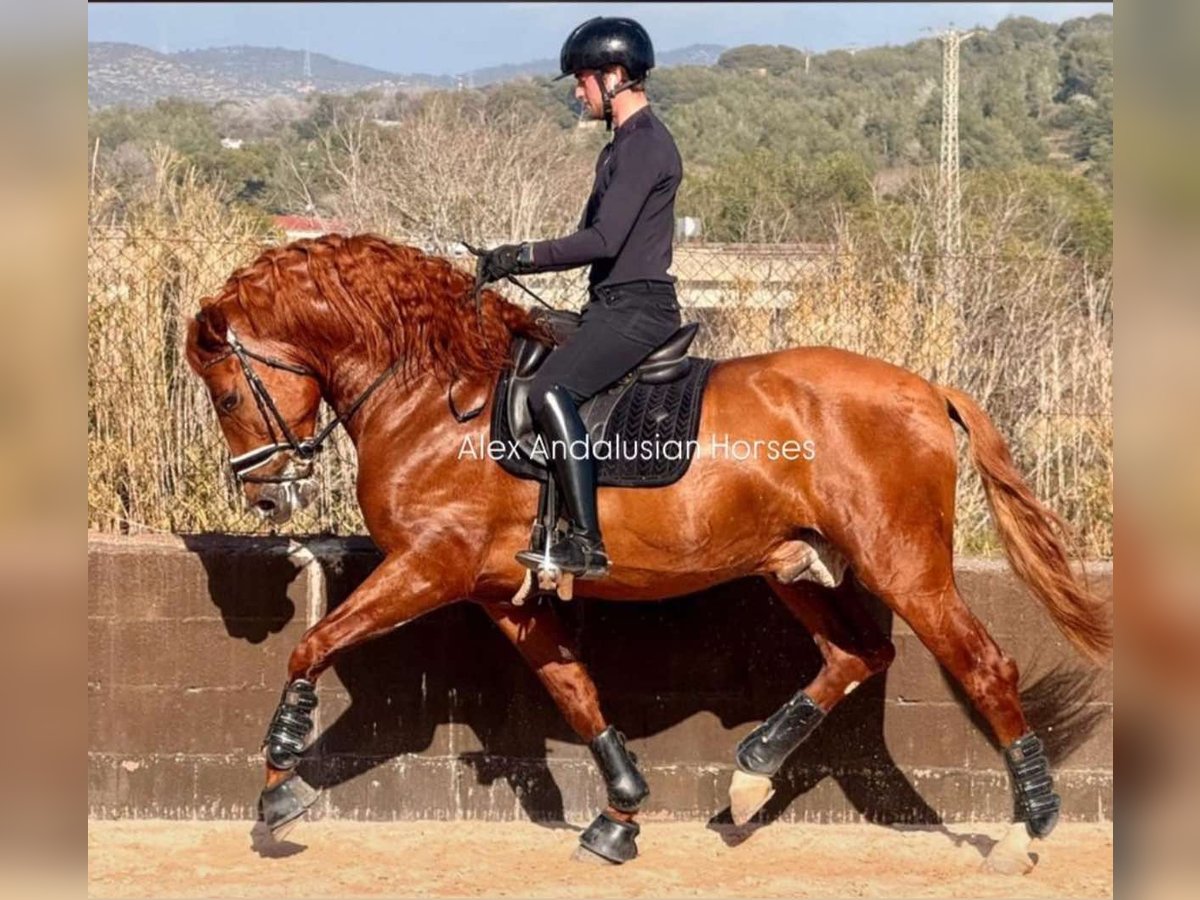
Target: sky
x: 448, y: 38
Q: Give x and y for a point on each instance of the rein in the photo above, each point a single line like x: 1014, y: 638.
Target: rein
x: 305, y: 449
x: 477, y: 295
x: 479, y: 282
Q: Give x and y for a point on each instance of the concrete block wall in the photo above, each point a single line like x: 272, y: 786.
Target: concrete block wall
x: 188, y: 640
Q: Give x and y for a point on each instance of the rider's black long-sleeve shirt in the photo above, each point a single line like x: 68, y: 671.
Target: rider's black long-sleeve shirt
x: 627, y: 226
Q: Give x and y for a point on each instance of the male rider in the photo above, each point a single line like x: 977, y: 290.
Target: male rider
x: 625, y: 236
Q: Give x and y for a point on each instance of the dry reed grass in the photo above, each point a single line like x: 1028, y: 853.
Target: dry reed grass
x: 1030, y: 336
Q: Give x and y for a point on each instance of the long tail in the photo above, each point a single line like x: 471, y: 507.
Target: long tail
x: 1033, y: 535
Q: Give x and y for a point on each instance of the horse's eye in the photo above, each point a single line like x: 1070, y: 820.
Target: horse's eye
x: 229, y: 402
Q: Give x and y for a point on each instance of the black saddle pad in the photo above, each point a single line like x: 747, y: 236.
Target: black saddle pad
x: 649, y: 435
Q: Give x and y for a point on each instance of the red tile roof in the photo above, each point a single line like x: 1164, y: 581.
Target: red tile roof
x: 304, y: 223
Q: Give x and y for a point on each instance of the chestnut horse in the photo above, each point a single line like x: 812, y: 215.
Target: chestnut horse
x: 383, y: 333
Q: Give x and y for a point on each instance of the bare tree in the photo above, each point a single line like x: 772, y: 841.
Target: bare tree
x: 447, y: 171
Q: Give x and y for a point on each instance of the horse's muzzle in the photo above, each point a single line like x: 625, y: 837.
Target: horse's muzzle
x: 277, y: 502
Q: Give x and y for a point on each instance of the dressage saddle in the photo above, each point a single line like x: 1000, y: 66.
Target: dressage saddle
x: 658, y: 401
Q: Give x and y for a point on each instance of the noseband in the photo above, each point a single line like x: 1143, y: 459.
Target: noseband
x: 304, y: 449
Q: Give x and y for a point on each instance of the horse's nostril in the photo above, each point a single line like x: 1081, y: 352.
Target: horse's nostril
x: 265, y: 506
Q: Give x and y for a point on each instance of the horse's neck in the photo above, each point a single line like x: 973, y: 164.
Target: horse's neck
x: 395, y: 400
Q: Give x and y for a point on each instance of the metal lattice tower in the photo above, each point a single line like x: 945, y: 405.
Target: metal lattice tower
x: 951, y: 195
x: 949, y: 199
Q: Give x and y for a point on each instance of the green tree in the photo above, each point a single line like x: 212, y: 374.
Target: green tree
x: 774, y: 59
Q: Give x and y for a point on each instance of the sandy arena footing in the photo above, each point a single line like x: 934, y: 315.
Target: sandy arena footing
x: 486, y: 859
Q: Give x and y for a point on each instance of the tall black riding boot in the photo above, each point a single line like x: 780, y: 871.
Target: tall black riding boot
x: 582, y: 552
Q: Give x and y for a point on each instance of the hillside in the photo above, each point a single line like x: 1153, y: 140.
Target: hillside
x: 284, y: 69
x: 772, y: 139
x: 137, y: 76
x: 127, y: 73
x: 1029, y: 92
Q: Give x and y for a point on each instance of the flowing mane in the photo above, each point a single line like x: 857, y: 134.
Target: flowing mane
x: 395, y: 301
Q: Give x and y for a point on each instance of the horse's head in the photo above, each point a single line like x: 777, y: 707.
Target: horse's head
x: 374, y: 305
x: 267, y: 406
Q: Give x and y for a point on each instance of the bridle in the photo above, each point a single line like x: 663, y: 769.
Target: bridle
x: 304, y: 449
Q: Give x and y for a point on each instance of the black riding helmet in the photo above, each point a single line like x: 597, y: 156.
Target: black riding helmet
x: 608, y: 41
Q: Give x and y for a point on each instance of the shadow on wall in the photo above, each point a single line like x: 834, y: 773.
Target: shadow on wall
x: 238, y: 570
x: 733, y: 652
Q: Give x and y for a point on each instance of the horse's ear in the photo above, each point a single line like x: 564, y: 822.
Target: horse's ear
x: 209, y: 330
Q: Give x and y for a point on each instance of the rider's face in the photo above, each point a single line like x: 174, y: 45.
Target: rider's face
x: 587, y: 92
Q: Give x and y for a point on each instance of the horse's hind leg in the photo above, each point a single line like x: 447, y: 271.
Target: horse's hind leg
x: 853, y: 649
x: 916, y: 579
x: 538, y: 634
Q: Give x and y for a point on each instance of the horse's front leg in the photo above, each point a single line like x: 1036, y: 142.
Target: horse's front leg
x: 402, y: 588
x: 538, y: 634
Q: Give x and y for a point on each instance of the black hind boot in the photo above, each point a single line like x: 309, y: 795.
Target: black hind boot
x: 582, y: 551
x: 1033, y: 785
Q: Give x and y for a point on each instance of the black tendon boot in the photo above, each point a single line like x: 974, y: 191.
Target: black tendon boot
x: 582, y: 551
x: 291, y: 725
x: 1033, y: 785
x: 626, y: 786
x: 764, y: 750
x: 610, y: 836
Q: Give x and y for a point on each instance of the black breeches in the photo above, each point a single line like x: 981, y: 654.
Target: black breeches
x: 619, y: 328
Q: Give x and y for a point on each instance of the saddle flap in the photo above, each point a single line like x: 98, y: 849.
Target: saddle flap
x: 634, y: 413
x: 666, y: 364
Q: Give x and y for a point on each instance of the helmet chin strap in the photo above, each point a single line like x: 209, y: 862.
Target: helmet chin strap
x: 607, y: 97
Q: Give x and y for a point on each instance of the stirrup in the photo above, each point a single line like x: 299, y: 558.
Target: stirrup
x: 573, y: 554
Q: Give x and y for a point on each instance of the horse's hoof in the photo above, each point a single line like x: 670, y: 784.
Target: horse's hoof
x: 280, y: 808
x: 611, y: 838
x: 1011, y: 854
x: 268, y: 846
x: 583, y: 855
x: 1007, y: 864
x: 747, y: 795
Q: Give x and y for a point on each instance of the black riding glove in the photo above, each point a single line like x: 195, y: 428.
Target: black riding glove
x: 507, y: 259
